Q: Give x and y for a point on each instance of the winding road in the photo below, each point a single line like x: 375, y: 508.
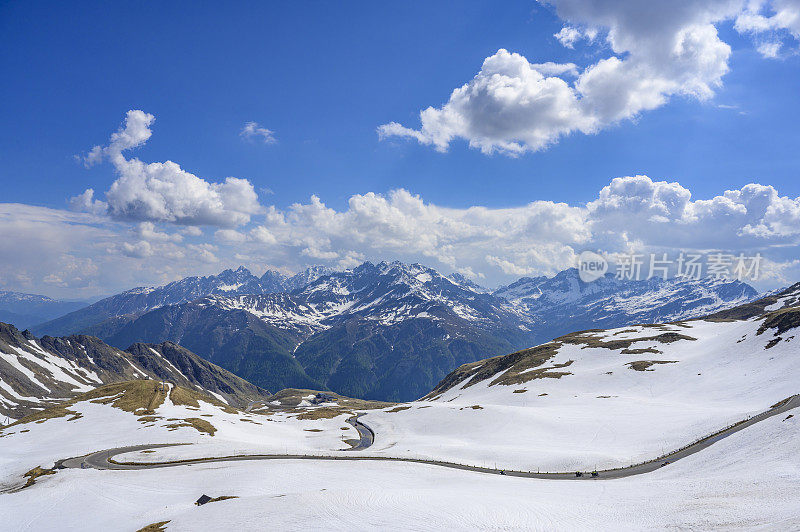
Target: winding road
x: 105, y: 459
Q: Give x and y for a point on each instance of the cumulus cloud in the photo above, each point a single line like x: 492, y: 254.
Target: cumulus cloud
x: 771, y: 23
x: 658, y: 50
x: 164, y: 192
x: 252, y: 130
x: 85, y: 202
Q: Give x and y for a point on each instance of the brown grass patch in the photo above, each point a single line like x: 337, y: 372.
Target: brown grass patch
x: 191, y: 399
x: 640, y: 351
x: 398, y: 409
x: 643, y: 365
x: 322, y: 413
x: 35, y: 473
x: 782, y: 320
x: 588, y: 341
x: 201, y: 425
x: 154, y: 527
x: 222, y: 498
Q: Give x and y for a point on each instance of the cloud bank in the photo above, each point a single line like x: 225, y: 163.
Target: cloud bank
x: 73, y: 254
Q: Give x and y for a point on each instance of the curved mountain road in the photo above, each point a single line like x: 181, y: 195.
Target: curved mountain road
x: 104, y: 459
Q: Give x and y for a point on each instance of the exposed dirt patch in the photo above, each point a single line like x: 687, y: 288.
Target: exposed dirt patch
x: 190, y: 398
x: 640, y: 351
x: 513, y: 376
x: 322, y: 413
x: 291, y: 397
x: 222, y: 498
x: 398, y: 409
x: 137, y: 397
x: 772, y: 343
x: 484, y: 369
x: 154, y: 527
x: 520, y: 391
x: 643, y: 365
x: 201, y: 425
x: 781, y: 320
x: 35, y: 473
x: 587, y: 340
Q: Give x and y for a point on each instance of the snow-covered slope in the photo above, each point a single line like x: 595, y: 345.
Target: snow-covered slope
x: 606, y: 398
x: 750, y: 480
x: 745, y: 482
x: 139, y: 412
x: 37, y: 372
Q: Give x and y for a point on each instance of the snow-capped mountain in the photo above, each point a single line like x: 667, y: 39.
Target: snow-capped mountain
x: 136, y: 301
x: 467, y: 283
x: 393, y: 292
x: 563, y: 303
x: 37, y: 372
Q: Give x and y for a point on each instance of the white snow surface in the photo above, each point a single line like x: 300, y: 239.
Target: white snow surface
x: 104, y: 427
x: 604, y: 414
x: 749, y: 480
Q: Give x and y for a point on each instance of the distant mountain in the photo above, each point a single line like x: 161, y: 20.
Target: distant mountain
x: 127, y: 305
x: 26, y: 310
x: 38, y: 372
x: 563, y: 303
x: 390, y: 331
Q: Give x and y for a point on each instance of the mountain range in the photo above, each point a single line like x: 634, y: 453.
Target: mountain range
x: 38, y: 372
x: 27, y: 310
x: 387, y: 331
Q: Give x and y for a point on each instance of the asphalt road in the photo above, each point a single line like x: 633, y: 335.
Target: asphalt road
x: 104, y: 459
x: 364, y: 432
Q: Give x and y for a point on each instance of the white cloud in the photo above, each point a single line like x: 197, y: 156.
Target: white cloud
x: 85, y: 202
x: 139, y: 250
x: 631, y: 213
x: 147, y: 231
x: 191, y: 230
x: 658, y: 50
x: 568, y: 36
x: 252, y: 130
x: 771, y: 23
x: 68, y: 254
x: 230, y: 236
x: 164, y: 192
x: 78, y: 253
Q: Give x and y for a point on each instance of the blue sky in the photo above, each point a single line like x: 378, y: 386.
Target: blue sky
x: 323, y: 77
